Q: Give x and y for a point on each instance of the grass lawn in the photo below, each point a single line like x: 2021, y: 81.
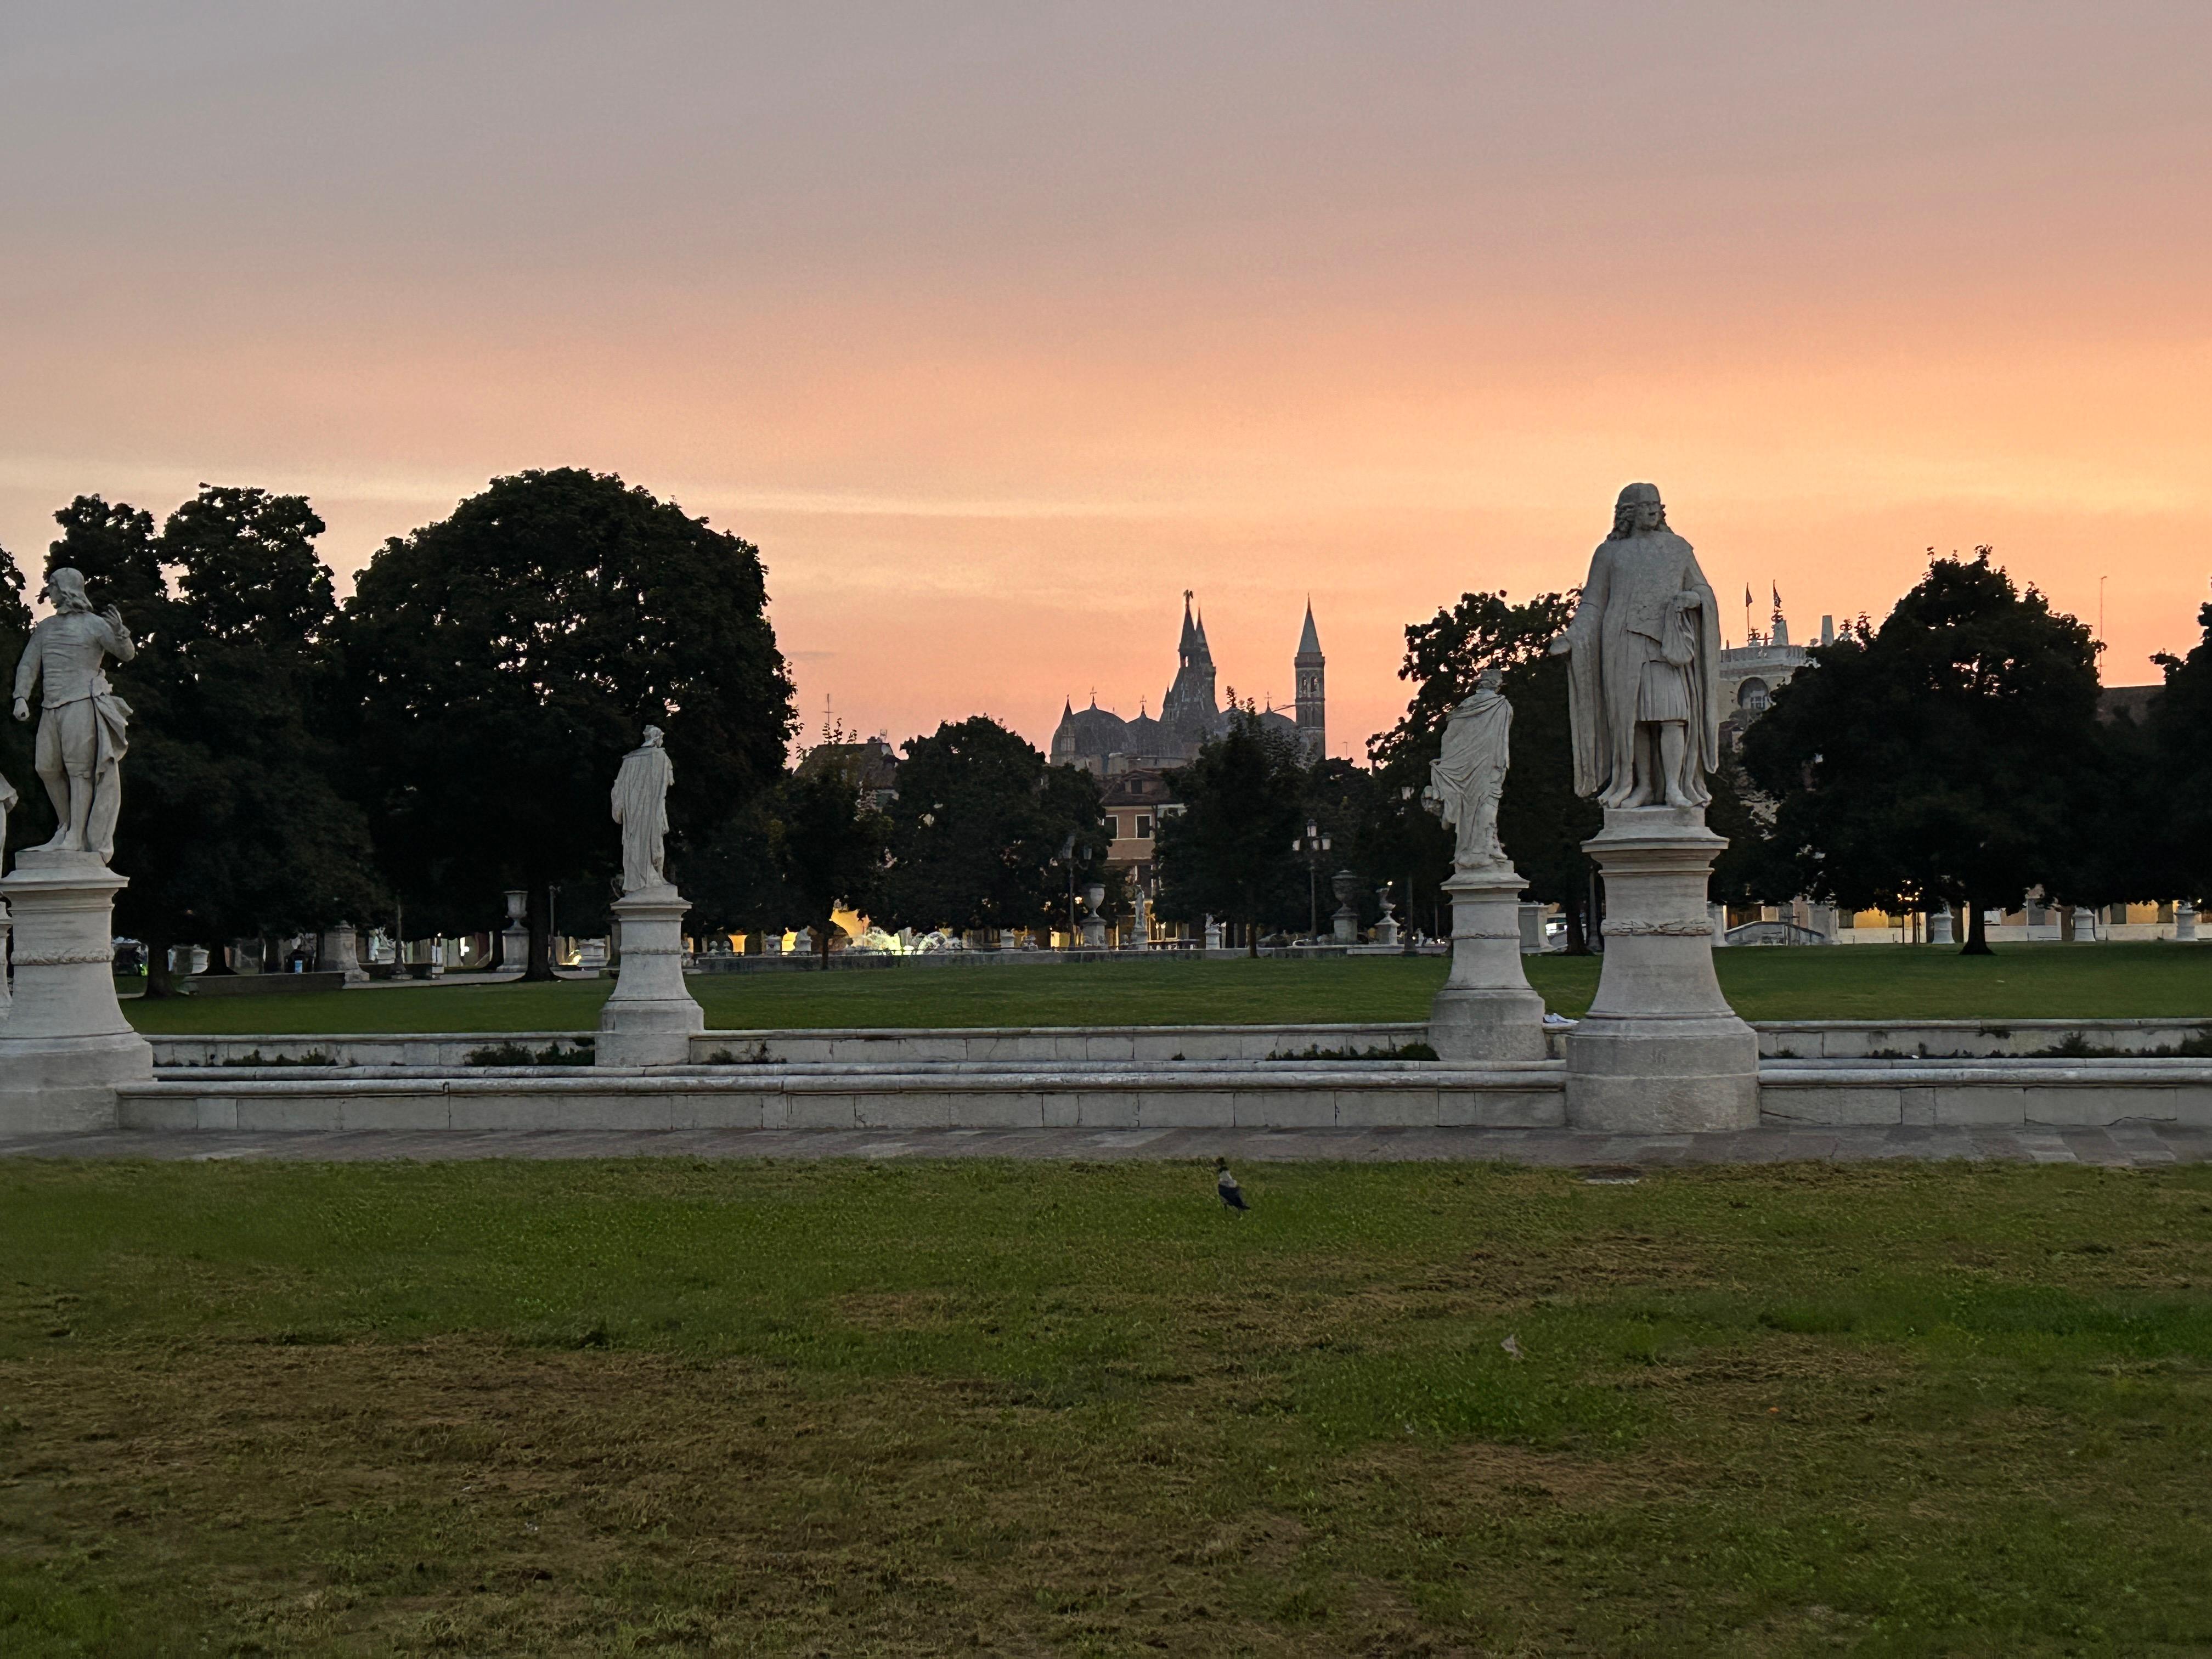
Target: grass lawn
x: 1846, y: 983
x: 913, y: 1408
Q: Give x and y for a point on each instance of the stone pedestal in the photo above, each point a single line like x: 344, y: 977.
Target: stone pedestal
x: 1344, y: 926
x: 2084, y: 921
x: 1486, y: 1010
x: 66, y: 1044
x: 1531, y: 918
x: 652, y: 1017
x: 1213, y: 934
x: 1386, y: 928
x: 339, y: 951
x: 7, y: 924
x: 1660, y: 1050
x: 1939, y: 926
x: 1094, y: 925
x: 2184, y: 921
x: 514, y: 938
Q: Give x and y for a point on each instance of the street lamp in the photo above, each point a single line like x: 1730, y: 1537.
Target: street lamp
x: 1312, y: 844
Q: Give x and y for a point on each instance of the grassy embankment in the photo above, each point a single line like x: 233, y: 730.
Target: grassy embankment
x: 588, y: 1408
x: 1846, y: 983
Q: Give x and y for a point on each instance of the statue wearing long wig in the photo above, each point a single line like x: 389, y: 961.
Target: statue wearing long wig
x: 1644, y: 659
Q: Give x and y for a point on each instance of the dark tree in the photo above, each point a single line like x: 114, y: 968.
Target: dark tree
x: 1540, y: 819
x: 233, y: 823
x: 1228, y: 852
x: 830, y: 847
x: 31, y: 820
x: 502, y: 662
x: 2176, y: 760
x: 1951, y: 755
x: 977, y: 827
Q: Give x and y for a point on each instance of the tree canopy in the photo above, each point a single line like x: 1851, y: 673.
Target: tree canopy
x: 978, y: 821
x: 1951, y: 755
x: 503, y: 660
x: 1228, y: 852
x: 233, y: 821
x: 1540, y: 820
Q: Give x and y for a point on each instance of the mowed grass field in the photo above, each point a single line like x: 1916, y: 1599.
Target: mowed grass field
x: 2162, y: 981
x: 920, y: 1408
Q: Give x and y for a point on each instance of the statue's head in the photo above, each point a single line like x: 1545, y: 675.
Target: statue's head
x: 653, y: 736
x: 1492, y: 678
x: 1638, y: 512
x: 65, y: 587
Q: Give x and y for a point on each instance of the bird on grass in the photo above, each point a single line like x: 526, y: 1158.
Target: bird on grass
x: 1232, y: 1195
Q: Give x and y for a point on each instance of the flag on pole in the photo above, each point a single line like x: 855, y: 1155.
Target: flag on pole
x: 1777, y: 597
x: 1748, y: 600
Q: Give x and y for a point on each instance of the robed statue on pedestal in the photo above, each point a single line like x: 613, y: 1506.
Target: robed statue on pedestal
x: 641, y: 806
x: 1467, y: 777
x: 1643, y: 688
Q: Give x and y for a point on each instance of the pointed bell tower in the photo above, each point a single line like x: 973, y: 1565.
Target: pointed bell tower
x: 1312, y: 673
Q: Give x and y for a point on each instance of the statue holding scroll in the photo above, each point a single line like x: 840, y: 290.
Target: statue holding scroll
x: 1467, y: 778
x: 641, y: 806
x: 1645, y: 644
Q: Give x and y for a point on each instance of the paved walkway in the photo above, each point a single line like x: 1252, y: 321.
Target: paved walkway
x: 2127, y: 1145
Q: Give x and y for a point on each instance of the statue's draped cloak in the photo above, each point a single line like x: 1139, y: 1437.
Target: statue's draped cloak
x: 641, y: 806
x: 1470, y: 770
x: 1621, y: 623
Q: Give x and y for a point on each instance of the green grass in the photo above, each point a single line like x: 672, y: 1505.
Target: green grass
x: 912, y: 1409
x: 1846, y: 983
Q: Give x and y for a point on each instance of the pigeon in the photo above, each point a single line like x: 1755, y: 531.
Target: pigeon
x: 1512, y: 1346
x: 1232, y: 1195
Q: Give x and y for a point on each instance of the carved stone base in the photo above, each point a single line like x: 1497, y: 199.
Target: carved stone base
x: 652, y: 1016
x: 66, y: 1045
x: 1486, y: 1010
x: 1660, y: 1051
x: 339, y: 951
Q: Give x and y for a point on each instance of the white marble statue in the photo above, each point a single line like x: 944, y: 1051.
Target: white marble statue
x: 8, y: 800
x: 641, y: 806
x: 1645, y: 657
x: 1465, y: 780
x: 82, y: 740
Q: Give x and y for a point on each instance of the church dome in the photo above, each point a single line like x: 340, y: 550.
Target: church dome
x: 1092, y: 731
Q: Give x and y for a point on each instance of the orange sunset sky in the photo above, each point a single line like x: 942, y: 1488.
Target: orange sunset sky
x: 997, y: 326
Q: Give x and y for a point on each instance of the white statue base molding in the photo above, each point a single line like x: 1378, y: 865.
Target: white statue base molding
x: 66, y: 1044
x: 652, y: 1017
x: 1661, y: 1051
x: 1486, y: 1010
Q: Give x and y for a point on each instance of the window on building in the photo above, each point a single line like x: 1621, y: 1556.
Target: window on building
x: 1143, y: 826
x: 1753, y: 696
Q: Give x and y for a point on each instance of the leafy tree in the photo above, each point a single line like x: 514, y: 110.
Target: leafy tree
x: 977, y: 827
x: 1540, y: 820
x: 1952, y: 754
x: 232, y: 823
x: 1228, y: 852
x: 2175, y: 765
x: 31, y: 820
x: 829, y: 845
x: 503, y: 660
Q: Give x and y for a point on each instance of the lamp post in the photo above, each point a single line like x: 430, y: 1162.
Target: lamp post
x: 1313, y: 844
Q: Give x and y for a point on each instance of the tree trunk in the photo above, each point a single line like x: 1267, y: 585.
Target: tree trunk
x: 1977, y: 932
x: 1252, y: 939
x: 1577, y: 935
x: 821, y: 943
x: 160, y: 981
x: 541, y: 934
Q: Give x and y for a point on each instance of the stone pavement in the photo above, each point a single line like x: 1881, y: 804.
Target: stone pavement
x: 2125, y: 1146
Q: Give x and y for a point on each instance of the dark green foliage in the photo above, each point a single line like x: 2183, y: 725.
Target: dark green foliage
x: 1228, y: 852
x: 31, y: 820
x: 1540, y: 819
x: 976, y: 830
x: 1953, y: 754
x: 233, y: 825
x: 502, y: 661
x: 2180, y: 760
x: 829, y: 846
